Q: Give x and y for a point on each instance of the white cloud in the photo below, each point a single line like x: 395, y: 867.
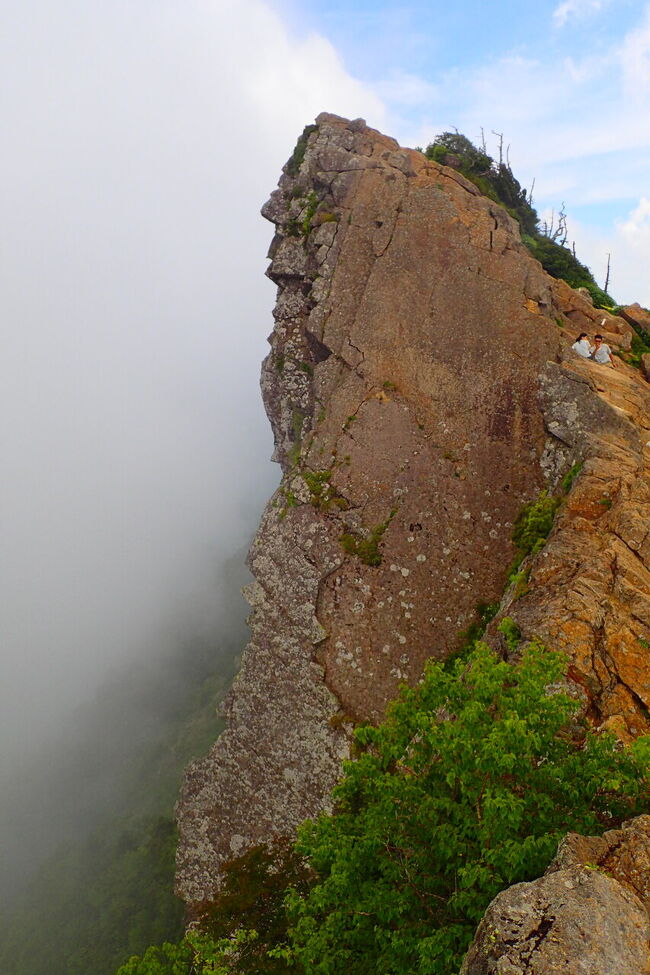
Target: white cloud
x: 134, y: 309
x: 628, y: 243
x: 637, y: 225
x: 630, y: 250
x: 576, y: 10
x: 635, y: 60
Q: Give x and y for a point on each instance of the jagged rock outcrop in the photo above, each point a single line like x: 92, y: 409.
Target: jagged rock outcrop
x: 588, y: 915
x: 637, y: 316
x: 588, y: 591
x: 421, y: 388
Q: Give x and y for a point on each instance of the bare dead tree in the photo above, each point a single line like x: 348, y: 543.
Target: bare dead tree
x: 530, y: 192
x: 562, y: 232
x: 483, y: 145
x: 548, y: 227
x: 558, y: 234
x: 499, y: 136
x: 607, y: 276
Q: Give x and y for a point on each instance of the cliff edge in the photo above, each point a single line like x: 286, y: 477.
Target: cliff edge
x: 421, y: 389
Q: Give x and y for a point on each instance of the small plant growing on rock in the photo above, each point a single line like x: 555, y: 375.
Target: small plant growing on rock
x: 511, y: 633
x: 570, y: 476
x: 298, y: 154
x: 532, y: 528
x: 534, y: 523
x: 323, y: 496
x: 312, y: 206
x: 367, y: 547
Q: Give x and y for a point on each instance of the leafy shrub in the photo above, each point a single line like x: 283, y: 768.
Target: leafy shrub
x: 484, y: 614
x: 640, y: 346
x: 559, y: 262
x: 533, y: 524
x: 251, y: 901
x: 298, y: 154
x: 166, y: 959
x: 470, y: 158
x: 465, y: 789
x: 196, y: 954
x: 532, y: 527
x: 236, y: 932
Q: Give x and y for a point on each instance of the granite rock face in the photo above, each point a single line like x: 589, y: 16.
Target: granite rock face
x: 588, y: 590
x: 645, y: 365
x: 421, y: 389
x: 637, y: 316
x: 588, y: 915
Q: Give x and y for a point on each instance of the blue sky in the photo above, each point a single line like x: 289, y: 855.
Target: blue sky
x: 566, y: 82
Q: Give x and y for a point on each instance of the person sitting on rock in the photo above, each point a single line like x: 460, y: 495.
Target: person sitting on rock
x: 583, y: 346
x: 602, y: 353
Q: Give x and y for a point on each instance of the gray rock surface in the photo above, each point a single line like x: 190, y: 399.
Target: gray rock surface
x: 572, y: 922
x: 587, y: 916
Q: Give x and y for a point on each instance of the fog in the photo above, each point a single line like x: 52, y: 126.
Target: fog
x: 140, y: 140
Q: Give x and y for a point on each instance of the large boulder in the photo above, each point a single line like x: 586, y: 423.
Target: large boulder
x: 587, y: 916
x: 637, y: 316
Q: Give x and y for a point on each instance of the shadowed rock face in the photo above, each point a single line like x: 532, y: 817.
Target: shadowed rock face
x: 415, y: 362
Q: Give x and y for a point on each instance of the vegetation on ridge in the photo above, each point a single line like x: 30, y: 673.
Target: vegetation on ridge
x: 464, y: 789
x: 497, y: 181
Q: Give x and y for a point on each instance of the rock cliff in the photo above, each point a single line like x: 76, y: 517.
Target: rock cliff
x: 421, y: 389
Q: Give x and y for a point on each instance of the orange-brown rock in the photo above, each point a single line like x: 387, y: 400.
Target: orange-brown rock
x: 645, y: 365
x: 637, y: 316
x: 421, y: 388
x: 588, y: 592
x: 623, y: 854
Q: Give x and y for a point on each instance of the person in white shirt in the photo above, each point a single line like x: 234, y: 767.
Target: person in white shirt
x: 602, y: 353
x: 582, y: 346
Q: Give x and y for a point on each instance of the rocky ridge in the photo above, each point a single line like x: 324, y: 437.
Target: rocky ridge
x: 421, y: 389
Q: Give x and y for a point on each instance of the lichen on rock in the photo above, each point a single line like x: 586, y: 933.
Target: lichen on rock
x: 416, y: 358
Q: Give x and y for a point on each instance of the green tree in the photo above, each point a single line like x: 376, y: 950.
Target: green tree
x: 251, y: 899
x: 197, y: 954
x: 466, y: 788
